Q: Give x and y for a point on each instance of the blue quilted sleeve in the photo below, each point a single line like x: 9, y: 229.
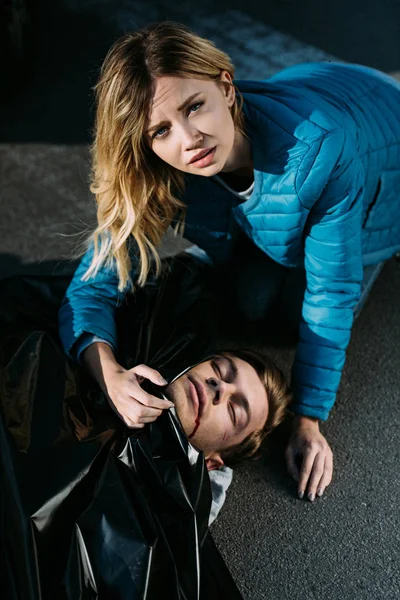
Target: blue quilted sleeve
x: 89, y: 306
x: 333, y: 263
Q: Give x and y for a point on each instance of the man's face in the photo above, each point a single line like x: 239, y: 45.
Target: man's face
x: 178, y: 130
x: 219, y: 403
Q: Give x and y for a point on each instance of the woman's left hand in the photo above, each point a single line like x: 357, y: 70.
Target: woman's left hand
x: 308, y: 444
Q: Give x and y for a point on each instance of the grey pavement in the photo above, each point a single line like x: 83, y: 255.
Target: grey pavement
x: 361, y: 31
x: 344, y: 546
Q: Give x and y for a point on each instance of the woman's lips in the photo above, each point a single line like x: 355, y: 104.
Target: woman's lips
x: 206, y: 160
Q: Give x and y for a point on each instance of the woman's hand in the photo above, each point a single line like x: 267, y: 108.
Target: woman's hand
x: 126, y: 396
x: 308, y: 444
x: 122, y: 386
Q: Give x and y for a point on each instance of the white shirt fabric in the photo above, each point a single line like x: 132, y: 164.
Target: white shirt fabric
x: 245, y: 194
x: 220, y: 480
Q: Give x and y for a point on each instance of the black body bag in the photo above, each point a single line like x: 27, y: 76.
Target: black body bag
x: 89, y: 508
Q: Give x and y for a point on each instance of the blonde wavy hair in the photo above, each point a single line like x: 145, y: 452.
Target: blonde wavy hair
x: 137, y: 194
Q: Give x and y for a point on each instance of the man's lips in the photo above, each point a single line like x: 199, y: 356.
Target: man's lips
x: 198, y: 395
x: 194, y: 397
x: 201, y: 154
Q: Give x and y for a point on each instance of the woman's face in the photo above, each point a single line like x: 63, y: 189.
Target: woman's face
x: 190, y: 116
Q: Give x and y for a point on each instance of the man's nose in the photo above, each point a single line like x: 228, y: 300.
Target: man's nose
x: 221, y: 390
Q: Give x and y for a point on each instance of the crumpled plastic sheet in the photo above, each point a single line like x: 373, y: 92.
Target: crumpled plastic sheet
x: 89, y: 508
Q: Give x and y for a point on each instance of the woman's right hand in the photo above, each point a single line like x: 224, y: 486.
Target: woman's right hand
x: 130, y: 401
x: 122, y: 386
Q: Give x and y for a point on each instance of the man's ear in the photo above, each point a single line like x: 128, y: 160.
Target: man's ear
x: 214, y: 461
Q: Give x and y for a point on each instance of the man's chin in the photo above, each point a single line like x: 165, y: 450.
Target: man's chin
x: 175, y: 392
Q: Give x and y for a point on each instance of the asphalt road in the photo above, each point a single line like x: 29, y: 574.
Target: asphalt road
x: 346, y: 545
x: 361, y: 31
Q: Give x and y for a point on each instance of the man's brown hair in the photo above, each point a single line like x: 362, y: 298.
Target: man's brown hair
x: 279, y: 397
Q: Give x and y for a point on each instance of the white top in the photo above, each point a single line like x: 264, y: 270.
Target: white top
x: 245, y: 194
x: 220, y: 479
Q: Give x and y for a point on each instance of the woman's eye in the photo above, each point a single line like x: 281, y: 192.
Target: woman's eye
x: 198, y: 104
x: 156, y: 133
x: 159, y: 133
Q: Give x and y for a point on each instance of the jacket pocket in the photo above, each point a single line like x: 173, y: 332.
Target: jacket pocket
x: 384, y: 210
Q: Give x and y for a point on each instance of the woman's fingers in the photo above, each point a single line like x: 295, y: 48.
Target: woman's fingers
x: 292, y: 468
x: 327, y: 475
x: 317, y: 473
x: 149, y: 373
x: 132, y: 425
x: 148, y: 402
x: 132, y: 419
x: 133, y: 404
x: 306, y: 469
x: 136, y: 392
x: 133, y: 410
x: 143, y: 421
x: 316, y: 456
x: 139, y: 412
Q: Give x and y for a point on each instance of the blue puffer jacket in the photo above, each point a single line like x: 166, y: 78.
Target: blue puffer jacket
x: 326, y: 152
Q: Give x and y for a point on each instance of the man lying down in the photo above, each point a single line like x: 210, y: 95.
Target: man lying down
x: 226, y: 406
x: 90, y: 505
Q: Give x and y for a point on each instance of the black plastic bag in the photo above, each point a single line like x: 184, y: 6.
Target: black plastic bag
x: 90, y: 509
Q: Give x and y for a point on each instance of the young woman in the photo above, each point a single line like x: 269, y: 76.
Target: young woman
x: 291, y: 179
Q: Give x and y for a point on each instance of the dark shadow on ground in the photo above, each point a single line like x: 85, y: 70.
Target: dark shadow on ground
x: 361, y: 31
x: 12, y: 266
x: 53, y: 97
